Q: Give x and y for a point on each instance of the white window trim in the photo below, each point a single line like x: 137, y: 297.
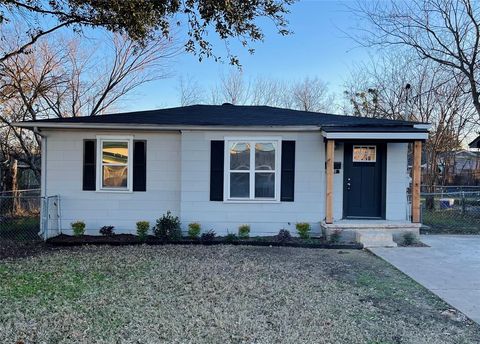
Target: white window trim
x: 367, y: 146
x: 226, y: 174
x: 115, y: 138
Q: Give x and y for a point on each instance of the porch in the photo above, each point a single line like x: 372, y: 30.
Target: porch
x: 371, y: 233
x: 364, y: 212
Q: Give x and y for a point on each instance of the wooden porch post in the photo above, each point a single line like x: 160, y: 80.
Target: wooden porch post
x: 329, y: 187
x: 416, y: 180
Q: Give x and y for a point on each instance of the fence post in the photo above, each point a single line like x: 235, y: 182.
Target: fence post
x: 463, y: 202
x: 45, y: 218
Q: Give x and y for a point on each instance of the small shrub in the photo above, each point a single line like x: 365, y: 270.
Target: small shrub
x: 284, y: 235
x: 244, y: 231
x: 230, y: 237
x: 209, y: 236
x: 409, y: 239
x: 142, y: 229
x: 335, y: 236
x: 194, y: 230
x: 168, y: 227
x: 303, y: 230
x: 107, y: 230
x: 78, y: 228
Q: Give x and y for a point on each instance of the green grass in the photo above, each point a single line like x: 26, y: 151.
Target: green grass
x: 69, y: 281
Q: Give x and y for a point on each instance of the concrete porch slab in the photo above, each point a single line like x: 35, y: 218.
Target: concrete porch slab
x: 371, y: 233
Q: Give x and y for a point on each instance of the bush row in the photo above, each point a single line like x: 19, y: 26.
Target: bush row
x: 167, y: 227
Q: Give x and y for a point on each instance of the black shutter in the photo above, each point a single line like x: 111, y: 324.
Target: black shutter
x: 216, y: 170
x: 288, y: 171
x: 89, y: 165
x: 139, y: 165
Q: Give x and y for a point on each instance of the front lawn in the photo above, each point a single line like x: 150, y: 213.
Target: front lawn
x: 218, y: 294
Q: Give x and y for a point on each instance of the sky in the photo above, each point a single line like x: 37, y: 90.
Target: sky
x: 318, y: 47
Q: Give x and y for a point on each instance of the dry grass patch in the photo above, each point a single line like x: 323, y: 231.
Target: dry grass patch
x: 221, y: 294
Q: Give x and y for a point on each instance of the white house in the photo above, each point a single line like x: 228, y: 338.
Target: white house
x: 227, y: 165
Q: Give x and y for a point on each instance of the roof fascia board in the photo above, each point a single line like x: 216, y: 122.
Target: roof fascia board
x: 122, y: 126
x: 374, y: 136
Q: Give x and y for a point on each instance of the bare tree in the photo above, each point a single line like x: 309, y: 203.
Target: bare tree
x: 432, y: 96
x: 446, y: 32
x: 233, y: 88
x: 271, y: 92
x: 62, y: 78
x: 308, y: 94
x: 191, y: 92
x: 311, y: 94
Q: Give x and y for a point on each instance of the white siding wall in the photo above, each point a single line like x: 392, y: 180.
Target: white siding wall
x: 338, y: 184
x: 178, y: 179
x: 397, y: 181
x: 122, y: 210
x: 264, y: 218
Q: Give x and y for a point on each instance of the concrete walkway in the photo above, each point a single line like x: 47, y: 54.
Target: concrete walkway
x: 450, y: 268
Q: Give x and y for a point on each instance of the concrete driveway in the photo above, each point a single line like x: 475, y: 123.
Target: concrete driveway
x: 450, y: 268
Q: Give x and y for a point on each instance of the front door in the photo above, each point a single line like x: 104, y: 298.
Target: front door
x: 364, y: 180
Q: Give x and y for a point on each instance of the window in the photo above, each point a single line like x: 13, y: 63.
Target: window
x: 364, y: 153
x: 252, y: 169
x: 115, y: 164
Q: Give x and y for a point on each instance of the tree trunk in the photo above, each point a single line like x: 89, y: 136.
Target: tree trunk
x: 15, y: 194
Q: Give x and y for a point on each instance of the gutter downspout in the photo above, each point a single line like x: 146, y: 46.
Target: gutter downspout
x: 43, y: 186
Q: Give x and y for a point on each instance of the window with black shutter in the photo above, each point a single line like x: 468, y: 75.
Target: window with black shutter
x: 288, y: 171
x: 89, y: 165
x: 139, y: 165
x: 216, y: 170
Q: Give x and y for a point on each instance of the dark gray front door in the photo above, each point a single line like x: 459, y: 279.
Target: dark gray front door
x: 364, y: 180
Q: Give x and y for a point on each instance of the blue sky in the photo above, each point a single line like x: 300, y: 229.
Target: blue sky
x: 318, y: 47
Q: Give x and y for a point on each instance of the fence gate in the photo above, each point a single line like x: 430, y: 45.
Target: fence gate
x: 25, y: 216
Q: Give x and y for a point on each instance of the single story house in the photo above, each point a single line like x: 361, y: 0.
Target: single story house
x: 227, y: 165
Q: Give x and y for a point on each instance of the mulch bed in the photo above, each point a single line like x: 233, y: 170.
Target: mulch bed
x: 130, y: 239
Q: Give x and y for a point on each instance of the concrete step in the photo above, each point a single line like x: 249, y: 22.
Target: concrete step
x: 375, y: 239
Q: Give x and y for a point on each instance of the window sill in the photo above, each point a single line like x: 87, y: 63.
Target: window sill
x: 114, y: 191
x: 254, y: 201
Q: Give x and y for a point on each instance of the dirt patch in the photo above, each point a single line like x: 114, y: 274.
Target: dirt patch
x: 415, y: 244
x: 13, y: 249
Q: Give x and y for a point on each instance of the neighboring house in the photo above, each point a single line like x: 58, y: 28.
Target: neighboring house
x: 460, y: 167
x: 226, y: 165
x: 475, y: 144
x: 26, y: 178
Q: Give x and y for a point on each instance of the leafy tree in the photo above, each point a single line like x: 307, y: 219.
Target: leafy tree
x: 142, y: 20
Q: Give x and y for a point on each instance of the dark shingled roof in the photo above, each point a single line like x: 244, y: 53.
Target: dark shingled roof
x: 475, y: 143
x: 237, y: 115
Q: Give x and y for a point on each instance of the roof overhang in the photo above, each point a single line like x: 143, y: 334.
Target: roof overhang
x: 365, y: 135
x: 156, y: 127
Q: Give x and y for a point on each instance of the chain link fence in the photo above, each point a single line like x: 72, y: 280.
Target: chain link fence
x: 22, y: 219
x: 456, y: 212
